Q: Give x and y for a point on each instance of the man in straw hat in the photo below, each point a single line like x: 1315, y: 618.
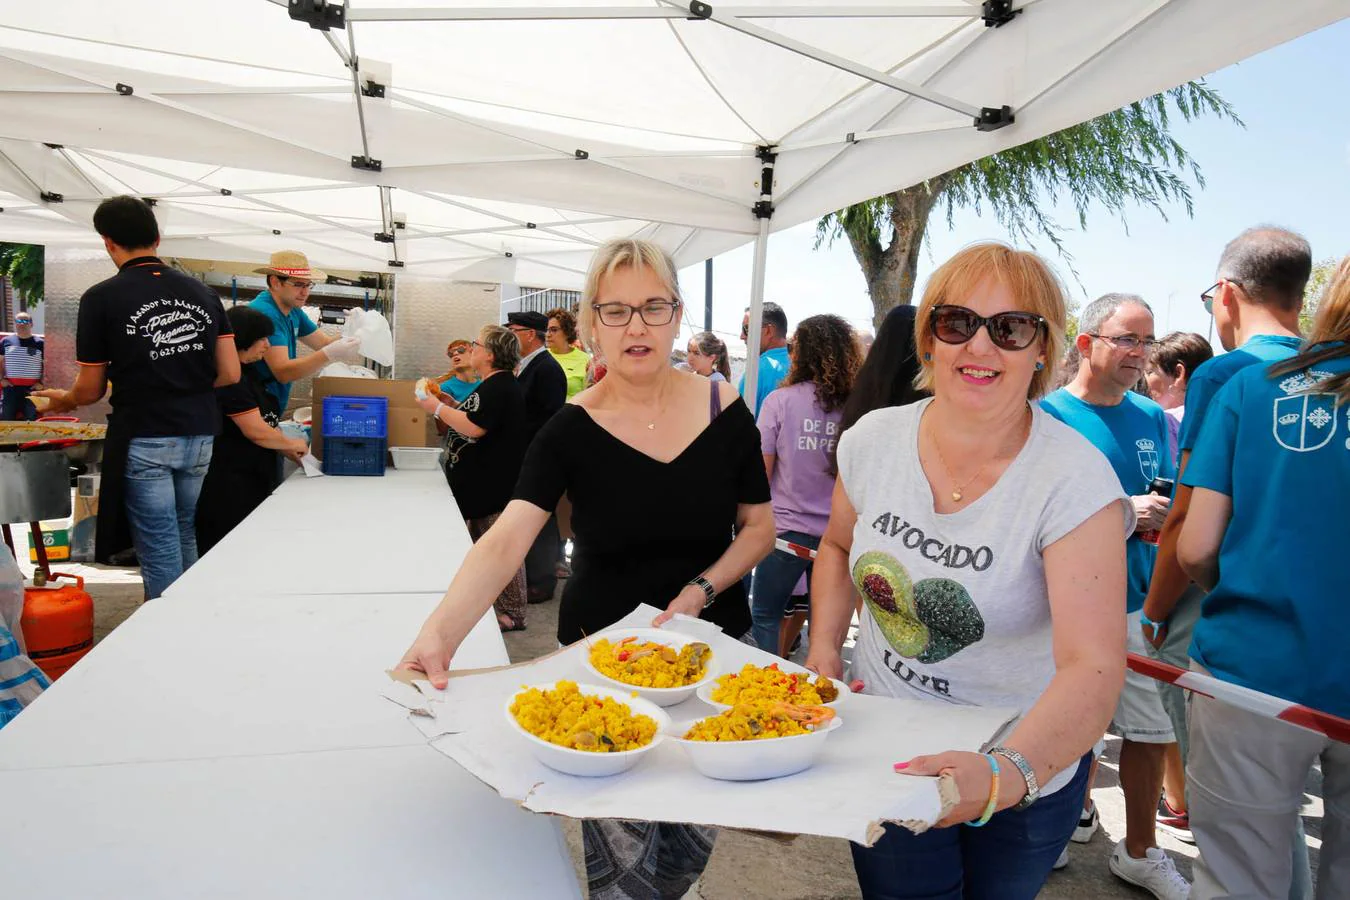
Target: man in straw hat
x: 289, y: 279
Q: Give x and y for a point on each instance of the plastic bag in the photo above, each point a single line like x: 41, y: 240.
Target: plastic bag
x: 345, y: 370
x: 371, y: 328
x: 20, y: 680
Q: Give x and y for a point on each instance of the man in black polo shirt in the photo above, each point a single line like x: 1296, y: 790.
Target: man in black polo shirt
x: 162, y: 339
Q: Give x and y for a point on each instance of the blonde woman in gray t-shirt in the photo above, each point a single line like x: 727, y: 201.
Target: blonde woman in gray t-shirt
x: 988, y: 543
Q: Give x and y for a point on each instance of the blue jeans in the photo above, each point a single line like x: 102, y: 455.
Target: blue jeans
x: 163, y: 481
x: 775, y: 578
x: 15, y: 405
x: 1007, y: 859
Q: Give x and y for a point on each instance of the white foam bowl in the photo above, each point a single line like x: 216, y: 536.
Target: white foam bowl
x: 659, y: 696
x: 754, y: 760
x: 582, y: 762
x: 705, y: 691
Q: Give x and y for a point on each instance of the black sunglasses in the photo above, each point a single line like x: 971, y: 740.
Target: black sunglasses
x: 1008, y: 330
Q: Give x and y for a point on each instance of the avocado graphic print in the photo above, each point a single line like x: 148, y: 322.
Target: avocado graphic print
x: 927, y: 621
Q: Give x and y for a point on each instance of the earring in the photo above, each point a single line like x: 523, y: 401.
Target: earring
x: 928, y: 357
x: 1039, y: 365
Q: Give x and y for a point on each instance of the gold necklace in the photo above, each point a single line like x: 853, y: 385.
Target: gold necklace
x: 958, y: 491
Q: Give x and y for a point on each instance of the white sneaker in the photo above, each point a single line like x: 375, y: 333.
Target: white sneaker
x: 1063, y: 860
x: 1155, y: 873
x: 1087, y: 826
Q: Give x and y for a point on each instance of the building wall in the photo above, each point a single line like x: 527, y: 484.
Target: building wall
x: 428, y: 313
x: 431, y: 312
x: 70, y: 272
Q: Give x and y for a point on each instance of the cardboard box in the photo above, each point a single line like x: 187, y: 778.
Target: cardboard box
x: 409, y: 424
x: 56, y: 538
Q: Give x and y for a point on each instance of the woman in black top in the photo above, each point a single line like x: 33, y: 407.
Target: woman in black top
x: 485, y: 445
x: 244, y: 467
x: 629, y: 453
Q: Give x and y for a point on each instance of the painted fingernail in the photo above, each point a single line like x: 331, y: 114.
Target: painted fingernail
x: 900, y: 767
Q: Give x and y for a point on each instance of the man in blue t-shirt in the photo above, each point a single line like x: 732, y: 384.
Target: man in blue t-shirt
x: 773, y: 352
x: 1255, y: 302
x: 289, y: 279
x: 1266, y: 536
x: 1116, y: 332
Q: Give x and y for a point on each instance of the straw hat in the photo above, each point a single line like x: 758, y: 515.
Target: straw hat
x: 292, y: 264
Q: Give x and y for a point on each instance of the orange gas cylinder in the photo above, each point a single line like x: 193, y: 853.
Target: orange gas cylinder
x: 58, y: 624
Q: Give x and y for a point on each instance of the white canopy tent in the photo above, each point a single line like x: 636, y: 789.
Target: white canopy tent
x: 531, y: 130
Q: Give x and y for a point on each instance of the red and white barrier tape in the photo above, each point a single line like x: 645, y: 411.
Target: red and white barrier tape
x: 1334, y: 727
x: 798, y: 549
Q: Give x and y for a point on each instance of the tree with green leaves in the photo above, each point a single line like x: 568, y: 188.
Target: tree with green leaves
x: 1312, y: 294
x: 1126, y: 157
x: 23, y: 265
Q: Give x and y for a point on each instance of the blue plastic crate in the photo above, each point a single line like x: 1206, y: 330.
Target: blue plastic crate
x: 365, y: 417
x: 354, y: 456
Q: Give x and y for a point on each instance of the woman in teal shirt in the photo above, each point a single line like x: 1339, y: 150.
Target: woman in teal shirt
x: 1266, y: 535
x: 461, y: 380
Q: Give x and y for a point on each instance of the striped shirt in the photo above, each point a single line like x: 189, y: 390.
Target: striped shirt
x: 23, y: 359
x: 20, y: 680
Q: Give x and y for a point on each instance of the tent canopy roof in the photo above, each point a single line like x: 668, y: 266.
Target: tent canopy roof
x: 587, y: 119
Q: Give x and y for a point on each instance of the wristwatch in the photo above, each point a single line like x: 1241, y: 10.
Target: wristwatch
x: 706, y: 587
x: 1028, y: 774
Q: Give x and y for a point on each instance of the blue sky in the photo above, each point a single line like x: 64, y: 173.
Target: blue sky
x: 1290, y: 166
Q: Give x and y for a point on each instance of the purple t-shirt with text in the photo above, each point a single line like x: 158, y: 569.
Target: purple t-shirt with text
x: 801, y: 436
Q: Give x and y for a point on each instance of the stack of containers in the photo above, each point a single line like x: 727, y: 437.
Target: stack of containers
x: 355, y: 435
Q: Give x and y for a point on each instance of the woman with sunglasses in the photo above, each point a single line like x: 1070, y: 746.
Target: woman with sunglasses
x: 988, y: 542
x: 462, y: 378
x: 625, y: 452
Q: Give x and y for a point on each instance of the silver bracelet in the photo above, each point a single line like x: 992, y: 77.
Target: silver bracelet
x: 1028, y: 774
x: 706, y: 586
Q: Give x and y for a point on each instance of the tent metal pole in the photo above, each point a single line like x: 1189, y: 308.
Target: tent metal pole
x: 675, y: 11
x: 756, y: 315
x: 707, y: 294
x: 763, y: 211
x: 844, y: 64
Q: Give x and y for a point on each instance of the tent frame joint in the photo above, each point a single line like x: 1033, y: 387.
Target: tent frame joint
x: 51, y: 197
x: 318, y: 14
x: 384, y: 237
x: 371, y: 88
x: 125, y: 90
x: 367, y: 164
x: 395, y: 264
x: 997, y: 13
x: 992, y: 118
x: 581, y: 154
x: 699, y: 10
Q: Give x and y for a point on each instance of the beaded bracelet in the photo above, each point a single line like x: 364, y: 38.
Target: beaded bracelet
x: 993, y: 794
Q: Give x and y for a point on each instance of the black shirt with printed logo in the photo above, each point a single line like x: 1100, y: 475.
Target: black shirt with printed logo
x: 156, y: 330
x: 482, y: 471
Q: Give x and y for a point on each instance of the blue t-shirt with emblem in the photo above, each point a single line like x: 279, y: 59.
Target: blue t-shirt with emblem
x: 773, y: 368
x: 1133, y: 437
x: 287, y: 329
x: 1277, y: 620
x: 1213, y: 374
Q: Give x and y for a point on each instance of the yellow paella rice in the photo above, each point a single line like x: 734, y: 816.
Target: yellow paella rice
x: 650, y: 664
x: 569, y: 718
x: 754, y: 682
x: 758, y: 719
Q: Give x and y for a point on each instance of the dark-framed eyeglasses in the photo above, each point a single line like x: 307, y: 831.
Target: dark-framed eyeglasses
x: 1127, y: 342
x: 552, y: 329
x: 653, y: 312
x: 1207, y: 296
x: 1010, y: 330
x: 300, y: 283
